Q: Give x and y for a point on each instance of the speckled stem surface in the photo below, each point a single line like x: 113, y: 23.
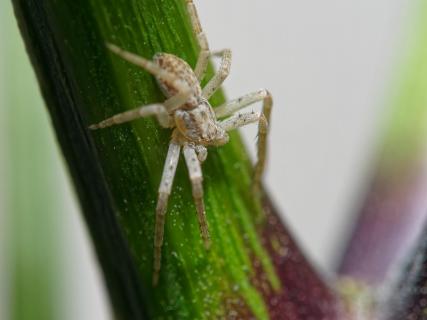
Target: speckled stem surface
x: 253, y: 268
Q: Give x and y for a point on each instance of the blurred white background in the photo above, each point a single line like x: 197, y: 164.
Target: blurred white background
x: 328, y: 65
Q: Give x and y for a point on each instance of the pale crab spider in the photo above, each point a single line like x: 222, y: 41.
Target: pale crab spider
x: 194, y: 122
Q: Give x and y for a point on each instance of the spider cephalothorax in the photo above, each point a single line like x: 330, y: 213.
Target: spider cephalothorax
x: 194, y: 122
x: 199, y: 125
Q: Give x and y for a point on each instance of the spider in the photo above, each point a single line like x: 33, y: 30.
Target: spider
x: 194, y: 122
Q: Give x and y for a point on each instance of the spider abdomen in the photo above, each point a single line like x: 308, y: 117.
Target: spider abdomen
x: 183, y: 71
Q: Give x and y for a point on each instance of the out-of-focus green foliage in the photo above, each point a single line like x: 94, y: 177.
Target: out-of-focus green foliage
x: 407, y: 130
x: 31, y: 199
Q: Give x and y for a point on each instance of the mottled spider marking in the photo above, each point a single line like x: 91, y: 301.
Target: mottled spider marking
x: 200, y: 125
x: 182, y: 70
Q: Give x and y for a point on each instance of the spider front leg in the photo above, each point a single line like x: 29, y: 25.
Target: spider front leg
x: 203, y: 59
x: 239, y: 120
x: 205, y: 54
x: 157, y: 110
x: 165, y: 188
x: 196, y: 178
x: 161, y: 111
x: 161, y: 74
x: 224, y: 70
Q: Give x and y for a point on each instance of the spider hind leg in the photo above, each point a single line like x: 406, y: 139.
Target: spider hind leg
x: 165, y: 188
x: 196, y: 178
x: 239, y: 120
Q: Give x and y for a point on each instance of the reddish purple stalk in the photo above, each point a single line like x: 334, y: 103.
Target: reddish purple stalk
x: 304, y: 294
x: 390, y: 221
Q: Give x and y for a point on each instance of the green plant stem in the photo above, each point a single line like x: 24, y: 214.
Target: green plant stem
x: 117, y: 172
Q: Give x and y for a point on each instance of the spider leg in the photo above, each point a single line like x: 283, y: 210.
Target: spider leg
x: 196, y: 178
x: 204, y: 55
x: 203, y: 59
x: 157, y: 110
x: 239, y: 120
x: 161, y: 111
x: 165, y: 188
x: 228, y: 108
x: 154, y: 69
x: 242, y: 119
x: 221, y: 74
